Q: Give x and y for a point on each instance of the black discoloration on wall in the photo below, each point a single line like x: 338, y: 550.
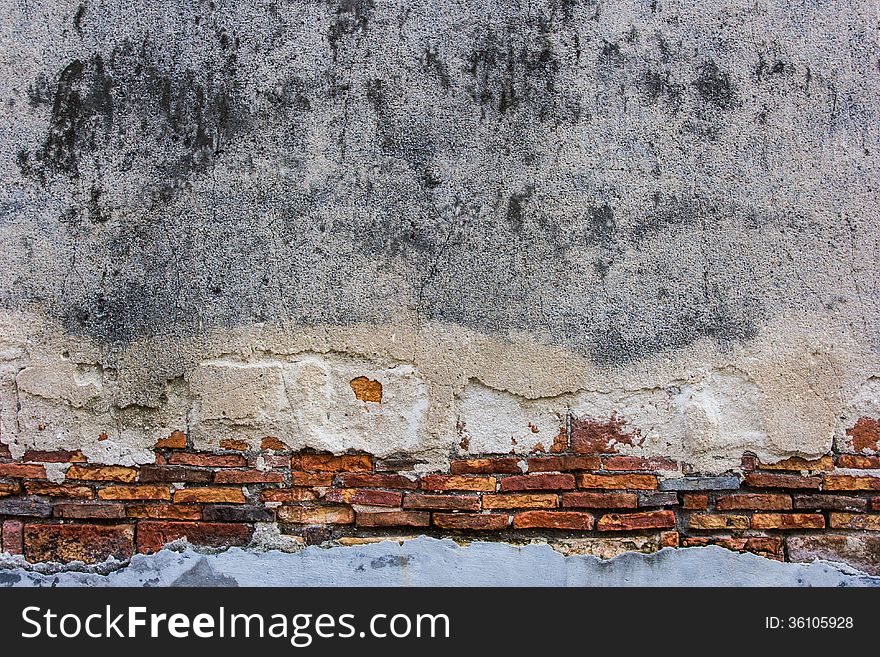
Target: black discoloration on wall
x: 714, y: 86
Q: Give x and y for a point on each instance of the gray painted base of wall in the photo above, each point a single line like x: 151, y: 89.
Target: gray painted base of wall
x: 431, y: 562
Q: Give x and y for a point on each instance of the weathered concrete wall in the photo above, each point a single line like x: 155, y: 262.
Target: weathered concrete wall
x: 216, y: 217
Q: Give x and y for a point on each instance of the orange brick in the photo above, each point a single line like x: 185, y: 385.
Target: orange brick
x: 798, y: 463
x: 54, y: 456
x: 473, y: 521
x: 788, y: 521
x: 718, y: 521
x: 331, y: 463
x: 234, y: 444
x: 317, y: 515
x: 311, y: 478
x: 636, y: 521
x: 442, y: 502
x: 563, y: 463
x: 288, y: 495
x: 164, y: 511
x: 669, y: 539
x: 393, y: 519
x: 208, y: 495
x: 271, y: 443
x: 207, y: 460
x: 101, y: 473
x: 538, y: 482
x: 855, y: 521
x: 20, y: 471
x: 140, y: 492
x: 59, y: 490
x: 600, y: 500
x: 754, y: 502
x: 485, y: 466
x: 847, y: 482
x: 521, y: 501
x: 858, y: 462
x: 695, y: 501
x: 459, y: 482
x: 177, y: 440
x: 579, y: 520
x: 618, y: 482
x: 370, y: 480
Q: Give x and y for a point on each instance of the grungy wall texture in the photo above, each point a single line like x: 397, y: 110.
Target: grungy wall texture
x: 433, y: 229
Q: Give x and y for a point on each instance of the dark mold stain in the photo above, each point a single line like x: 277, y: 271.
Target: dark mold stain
x: 714, y: 86
x: 350, y: 18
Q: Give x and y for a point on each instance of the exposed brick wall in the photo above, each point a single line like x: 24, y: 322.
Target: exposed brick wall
x: 217, y: 498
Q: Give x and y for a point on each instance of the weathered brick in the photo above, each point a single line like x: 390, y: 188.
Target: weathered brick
x: 237, y: 513
x: 442, y: 502
x: 798, y: 463
x: 777, y: 480
x: 485, y: 466
x: 875, y: 504
x: 521, y: 501
x: 636, y: 521
x: 831, y: 502
x: 21, y: 471
x: 316, y: 515
x: 12, y: 536
x: 208, y: 460
x: 59, y: 490
x: 177, y: 440
x: 763, y: 545
x: 87, y: 543
x: 858, y: 461
x: 153, y: 535
x: 369, y: 480
x: 695, y: 501
x: 538, y: 482
x: 563, y: 463
x: 618, y: 481
x: 393, y: 519
x: 9, y: 488
x: 649, y: 464
x: 669, y: 539
x: 248, y: 477
x: 95, y: 511
x: 208, y: 495
x: 846, y: 482
x: 25, y: 507
x: 164, y: 511
x: 754, y: 501
x: 788, y: 521
x: 55, y: 456
x: 4, y: 451
x: 311, y: 478
x: 585, y: 500
x: 365, y: 497
x: 860, y: 551
x: 658, y: 498
x: 234, y: 444
x: 139, y: 492
x: 288, y: 495
x: 473, y: 521
x: 102, y: 473
x: 718, y: 521
x: 269, y: 461
x: 459, y: 482
x: 272, y: 443
x: 700, y: 483
x: 855, y: 521
x: 331, y: 463
x: 578, y: 520
x: 171, y: 473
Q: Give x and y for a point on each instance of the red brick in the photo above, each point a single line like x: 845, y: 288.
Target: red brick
x: 669, y: 539
x: 443, y: 502
x: 4, y: 452
x: 13, y: 536
x: 618, y: 482
x: 875, y: 504
x: 365, y: 497
x: 589, y: 436
x: 153, y: 535
x: 368, y: 480
x: 485, y: 466
x: 59, y: 490
x: 695, y: 501
x: 97, y: 511
x: 275, y: 461
x: 248, y: 477
x: 177, y: 440
x: 521, y: 501
x: 855, y: 521
x: 846, y: 482
x: 651, y: 464
x: 87, y: 543
x: 57, y: 456
x: 288, y: 495
x: 140, y: 492
x: 538, y: 482
x: 578, y: 520
x: 101, y: 473
x: 858, y: 462
x: 393, y: 519
x: 585, y: 500
x: 459, y: 482
x: 21, y: 471
x: 753, y: 501
x: 312, y: 479
x: 269, y: 442
x: 563, y: 463
x: 331, y: 463
x: 635, y: 521
x: 718, y: 521
x: 316, y: 515
x: 209, y: 495
x: 788, y: 521
x: 775, y: 480
x: 831, y: 502
x: 473, y: 521
x: 164, y: 511
x: 208, y: 460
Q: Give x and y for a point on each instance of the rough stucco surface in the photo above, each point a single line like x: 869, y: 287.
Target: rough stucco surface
x: 215, y: 216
